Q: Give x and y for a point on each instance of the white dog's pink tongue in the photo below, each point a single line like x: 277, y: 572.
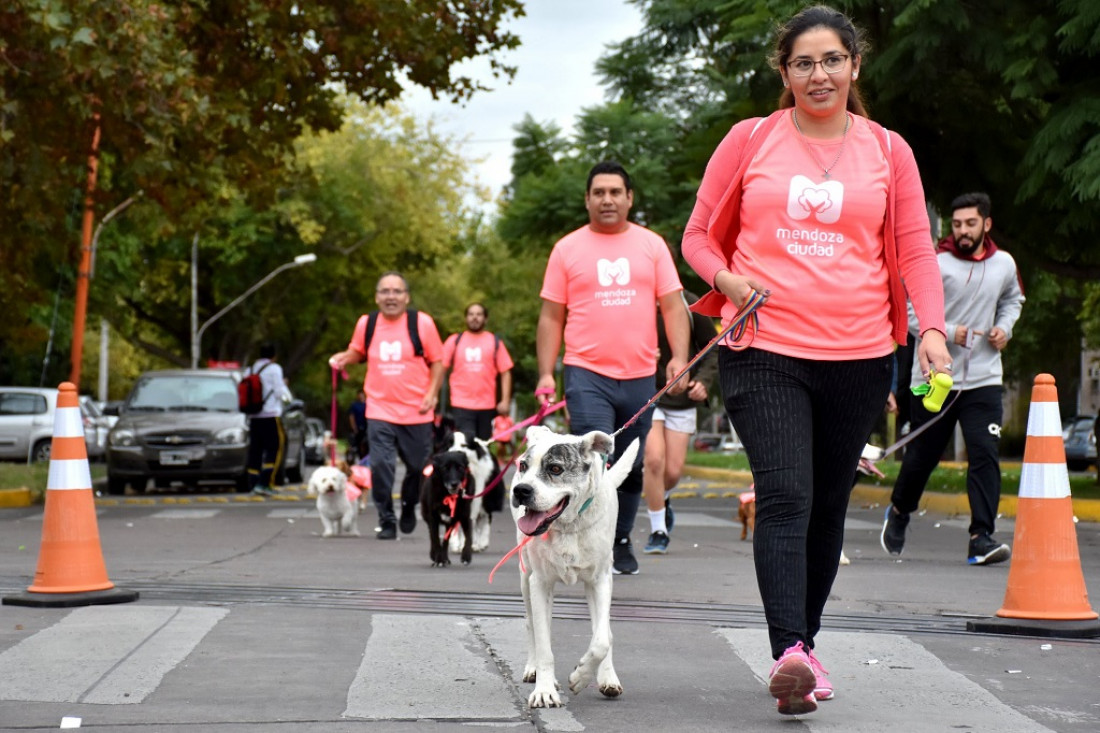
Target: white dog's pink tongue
x: 529, y: 523
x: 533, y: 523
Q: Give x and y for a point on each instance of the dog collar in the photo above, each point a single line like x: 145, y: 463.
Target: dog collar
x: 585, y: 505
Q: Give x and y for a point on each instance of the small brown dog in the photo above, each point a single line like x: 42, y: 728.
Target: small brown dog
x: 746, y: 511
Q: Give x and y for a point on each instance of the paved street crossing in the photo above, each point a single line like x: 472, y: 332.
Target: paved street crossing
x: 464, y: 672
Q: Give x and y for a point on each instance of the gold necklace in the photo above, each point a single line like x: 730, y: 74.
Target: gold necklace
x: 843, y: 140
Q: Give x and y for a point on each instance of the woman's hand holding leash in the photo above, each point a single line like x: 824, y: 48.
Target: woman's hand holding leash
x: 738, y: 288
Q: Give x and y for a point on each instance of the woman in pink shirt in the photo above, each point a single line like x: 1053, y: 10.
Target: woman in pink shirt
x: 824, y: 209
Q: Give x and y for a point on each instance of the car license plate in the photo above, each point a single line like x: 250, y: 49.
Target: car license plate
x: 174, y: 458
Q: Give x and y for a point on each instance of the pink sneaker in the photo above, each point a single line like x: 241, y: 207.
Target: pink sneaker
x: 823, y: 689
x: 792, y: 682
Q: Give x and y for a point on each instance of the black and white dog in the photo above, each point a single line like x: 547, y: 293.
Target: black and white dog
x: 445, y: 503
x: 565, y: 503
x: 484, y: 473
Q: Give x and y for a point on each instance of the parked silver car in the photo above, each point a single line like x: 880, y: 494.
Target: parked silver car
x: 1079, y: 438
x: 26, y: 424
x: 315, y: 441
x: 184, y: 425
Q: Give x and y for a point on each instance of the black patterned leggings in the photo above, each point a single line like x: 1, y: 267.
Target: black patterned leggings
x: 804, y: 424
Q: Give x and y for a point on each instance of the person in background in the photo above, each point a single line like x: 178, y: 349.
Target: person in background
x: 822, y: 212
x: 266, y: 436
x: 357, y: 422
x: 477, y: 360
x: 402, y: 389
x: 674, y: 422
x: 983, y: 298
x: 598, y: 291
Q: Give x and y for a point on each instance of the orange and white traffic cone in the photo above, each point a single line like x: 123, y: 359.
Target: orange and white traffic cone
x: 1046, y: 593
x: 70, y: 570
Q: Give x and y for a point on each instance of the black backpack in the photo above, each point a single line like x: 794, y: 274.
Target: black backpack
x: 414, y: 331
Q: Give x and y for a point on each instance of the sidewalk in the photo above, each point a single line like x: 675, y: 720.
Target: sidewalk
x: 1085, y: 510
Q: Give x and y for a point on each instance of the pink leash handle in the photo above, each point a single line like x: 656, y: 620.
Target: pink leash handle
x: 332, y: 445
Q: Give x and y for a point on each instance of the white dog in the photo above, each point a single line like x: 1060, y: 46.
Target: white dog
x: 483, y: 471
x: 338, y: 512
x: 565, y: 504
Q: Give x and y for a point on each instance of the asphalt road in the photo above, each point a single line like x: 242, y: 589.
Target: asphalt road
x: 248, y: 620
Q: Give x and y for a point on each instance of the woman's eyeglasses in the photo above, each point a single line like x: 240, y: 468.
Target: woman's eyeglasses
x: 805, y: 67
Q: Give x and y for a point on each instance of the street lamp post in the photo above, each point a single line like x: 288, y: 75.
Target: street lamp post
x: 196, y: 334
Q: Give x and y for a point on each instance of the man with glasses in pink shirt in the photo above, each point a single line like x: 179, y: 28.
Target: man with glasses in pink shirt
x: 402, y: 387
x: 599, y: 292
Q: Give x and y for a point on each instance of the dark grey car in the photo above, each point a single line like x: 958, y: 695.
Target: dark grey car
x: 184, y: 426
x: 1079, y: 436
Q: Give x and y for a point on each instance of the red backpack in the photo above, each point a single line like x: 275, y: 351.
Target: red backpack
x: 250, y: 392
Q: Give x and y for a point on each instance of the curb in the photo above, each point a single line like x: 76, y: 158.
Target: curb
x: 15, y: 498
x: 1085, y: 510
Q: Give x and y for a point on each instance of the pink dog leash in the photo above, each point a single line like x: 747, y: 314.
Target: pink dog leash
x: 332, y: 445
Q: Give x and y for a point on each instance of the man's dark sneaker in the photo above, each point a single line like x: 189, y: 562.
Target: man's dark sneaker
x: 670, y: 518
x: 408, y: 518
x: 388, y: 531
x: 623, y: 562
x: 984, y: 550
x: 893, y: 531
x: 657, y: 545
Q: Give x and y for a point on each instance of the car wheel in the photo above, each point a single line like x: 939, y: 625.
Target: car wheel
x: 241, y: 483
x: 41, y: 451
x: 1076, y: 465
x: 116, y: 486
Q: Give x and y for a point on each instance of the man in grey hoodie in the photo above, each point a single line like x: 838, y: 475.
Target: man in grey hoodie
x: 983, y: 297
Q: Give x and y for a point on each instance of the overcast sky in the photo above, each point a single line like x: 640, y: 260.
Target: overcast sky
x: 560, y: 43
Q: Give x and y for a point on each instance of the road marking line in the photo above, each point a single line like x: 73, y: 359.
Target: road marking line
x: 110, y: 655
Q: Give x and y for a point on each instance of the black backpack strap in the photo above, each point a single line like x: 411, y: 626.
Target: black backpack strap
x: 454, y: 352
x: 414, y: 331
x: 372, y: 321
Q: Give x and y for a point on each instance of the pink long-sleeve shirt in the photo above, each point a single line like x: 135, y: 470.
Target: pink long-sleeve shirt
x: 839, y: 255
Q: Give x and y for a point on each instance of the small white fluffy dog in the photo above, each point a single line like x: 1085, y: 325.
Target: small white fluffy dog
x: 565, y: 504
x: 483, y: 469
x: 339, y: 514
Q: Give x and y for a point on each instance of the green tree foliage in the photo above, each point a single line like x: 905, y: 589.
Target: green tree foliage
x: 195, y: 101
x: 382, y: 193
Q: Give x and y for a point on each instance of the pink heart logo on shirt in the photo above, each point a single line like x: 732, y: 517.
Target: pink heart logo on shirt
x: 815, y: 200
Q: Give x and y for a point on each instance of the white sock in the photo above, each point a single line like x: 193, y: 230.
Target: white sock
x: 657, y: 521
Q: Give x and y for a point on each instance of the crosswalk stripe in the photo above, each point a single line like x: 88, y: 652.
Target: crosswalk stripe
x: 427, y: 667
x: 901, y: 686
x: 186, y: 513
x: 508, y: 638
x: 110, y: 655
x: 468, y: 670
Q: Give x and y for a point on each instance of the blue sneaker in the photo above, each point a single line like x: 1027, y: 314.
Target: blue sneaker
x: 657, y: 544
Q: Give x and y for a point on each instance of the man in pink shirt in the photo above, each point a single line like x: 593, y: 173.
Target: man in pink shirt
x: 600, y: 289
x: 476, y: 358
x: 404, y: 375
